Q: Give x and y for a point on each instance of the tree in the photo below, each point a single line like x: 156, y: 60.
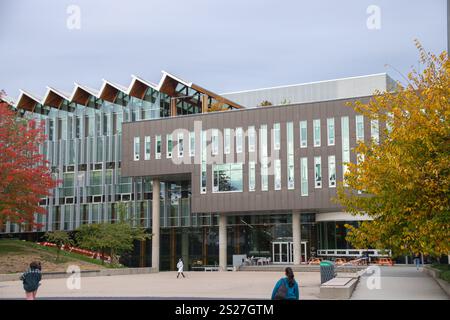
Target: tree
x: 405, y: 179
x: 24, y: 174
x: 60, y: 238
x: 112, y: 238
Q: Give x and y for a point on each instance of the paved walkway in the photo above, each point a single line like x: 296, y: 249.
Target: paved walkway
x: 398, y: 282
x: 207, y: 285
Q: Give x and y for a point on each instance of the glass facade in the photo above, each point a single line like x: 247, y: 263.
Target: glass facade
x: 359, y: 128
x: 227, y: 177
x: 316, y: 132
x: 303, y: 134
x: 330, y: 131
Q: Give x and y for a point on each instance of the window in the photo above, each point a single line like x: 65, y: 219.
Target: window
x: 304, y: 176
x: 147, y: 148
x: 345, y: 145
x: 239, y: 140
x: 290, y: 155
x: 203, y: 175
x: 331, y: 171
x: 264, y: 175
x: 276, y: 136
x: 136, y: 148
x: 330, y: 131
x: 158, y: 147
x: 251, y: 176
x: 389, y: 122
x: 227, y: 141
x: 169, y: 146
x: 303, y: 134
x: 374, y: 130
x: 277, y: 175
x: 214, y: 142
x: 316, y: 132
x: 251, y: 139
x: 263, y: 140
x: 192, y: 143
x: 359, y: 128
x: 227, y: 177
x: 180, y: 145
x: 317, y: 172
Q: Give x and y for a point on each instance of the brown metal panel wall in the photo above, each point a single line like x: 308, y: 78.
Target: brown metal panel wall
x: 318, y: 199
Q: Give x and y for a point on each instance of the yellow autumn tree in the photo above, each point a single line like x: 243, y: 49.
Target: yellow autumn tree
x: 403, y: 181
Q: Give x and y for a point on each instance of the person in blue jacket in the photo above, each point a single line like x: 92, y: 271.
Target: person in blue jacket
x: 31, y: 279
x: 286, y: 288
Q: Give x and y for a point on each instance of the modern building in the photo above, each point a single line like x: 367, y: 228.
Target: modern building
x: 230, y: 177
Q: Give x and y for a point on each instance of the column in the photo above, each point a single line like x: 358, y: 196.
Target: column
x: 296, y: 236
x: 222, y: 242
x: 155, y: 225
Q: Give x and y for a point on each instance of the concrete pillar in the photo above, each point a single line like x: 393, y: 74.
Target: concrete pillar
x: 222, y: 242
x: 296, y: 236
x: 155, y: 225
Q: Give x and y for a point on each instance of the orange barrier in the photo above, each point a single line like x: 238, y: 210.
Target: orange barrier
x: 84, y: 252
x: 385, y: 262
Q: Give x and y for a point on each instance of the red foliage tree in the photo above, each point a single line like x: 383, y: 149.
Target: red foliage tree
x: 25, y: 177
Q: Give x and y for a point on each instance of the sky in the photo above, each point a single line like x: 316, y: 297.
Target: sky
x: 223, y: 45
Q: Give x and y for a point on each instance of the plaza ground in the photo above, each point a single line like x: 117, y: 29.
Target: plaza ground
x: 228, y: 285
x: 396, y: 283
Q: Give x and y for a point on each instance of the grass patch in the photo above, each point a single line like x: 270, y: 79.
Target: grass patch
x: 445, y: 271
x: 21, y: 247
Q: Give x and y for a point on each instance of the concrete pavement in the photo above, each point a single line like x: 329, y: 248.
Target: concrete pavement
x: 218, y: 285
x: 398, y: 282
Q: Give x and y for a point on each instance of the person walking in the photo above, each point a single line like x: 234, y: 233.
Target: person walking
x: 416, y: 260
x: 180, y: 267
x: 31, y: 279
x: 286, y: 288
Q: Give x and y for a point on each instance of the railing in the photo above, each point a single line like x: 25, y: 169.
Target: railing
x: 354, y: 252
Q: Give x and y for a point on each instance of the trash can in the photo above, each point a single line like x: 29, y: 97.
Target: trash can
x: 326, y: 271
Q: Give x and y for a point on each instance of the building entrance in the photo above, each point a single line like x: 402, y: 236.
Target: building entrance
x: 283, y: 252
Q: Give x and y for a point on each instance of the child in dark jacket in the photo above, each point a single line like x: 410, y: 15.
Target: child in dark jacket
x: 31, y: 279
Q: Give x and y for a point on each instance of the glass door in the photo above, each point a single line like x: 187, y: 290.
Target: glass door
x: 282, y: 252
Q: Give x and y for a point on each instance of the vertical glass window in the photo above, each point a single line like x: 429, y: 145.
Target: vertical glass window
x: 180, y: 145
x: 239, y: 140
x: 304, y: 176
x: 331, y: 171
x: 147, y: 148
x: 227, y: 141
x: 251, y: 176
x: 192, y: 143
x: 203, y: 176
x: 317, y: 172
x: 251, y: 139
x: 374, y: 130
x: 316, y: 132
x: 345, y: 145
x: 136, y: 148
x: 264, y: 175
x: 359, y: 128
x: 158, y: 147
x: 276, y: 136
x: 215, y: 142
x: 78, y: 127
x: 277, y: 175
x: 290, y: 155
x: 169, y: 146
x: 303, y: 134
x: 51, y: 129
x: 263, y: 140
x: 330, y: 131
